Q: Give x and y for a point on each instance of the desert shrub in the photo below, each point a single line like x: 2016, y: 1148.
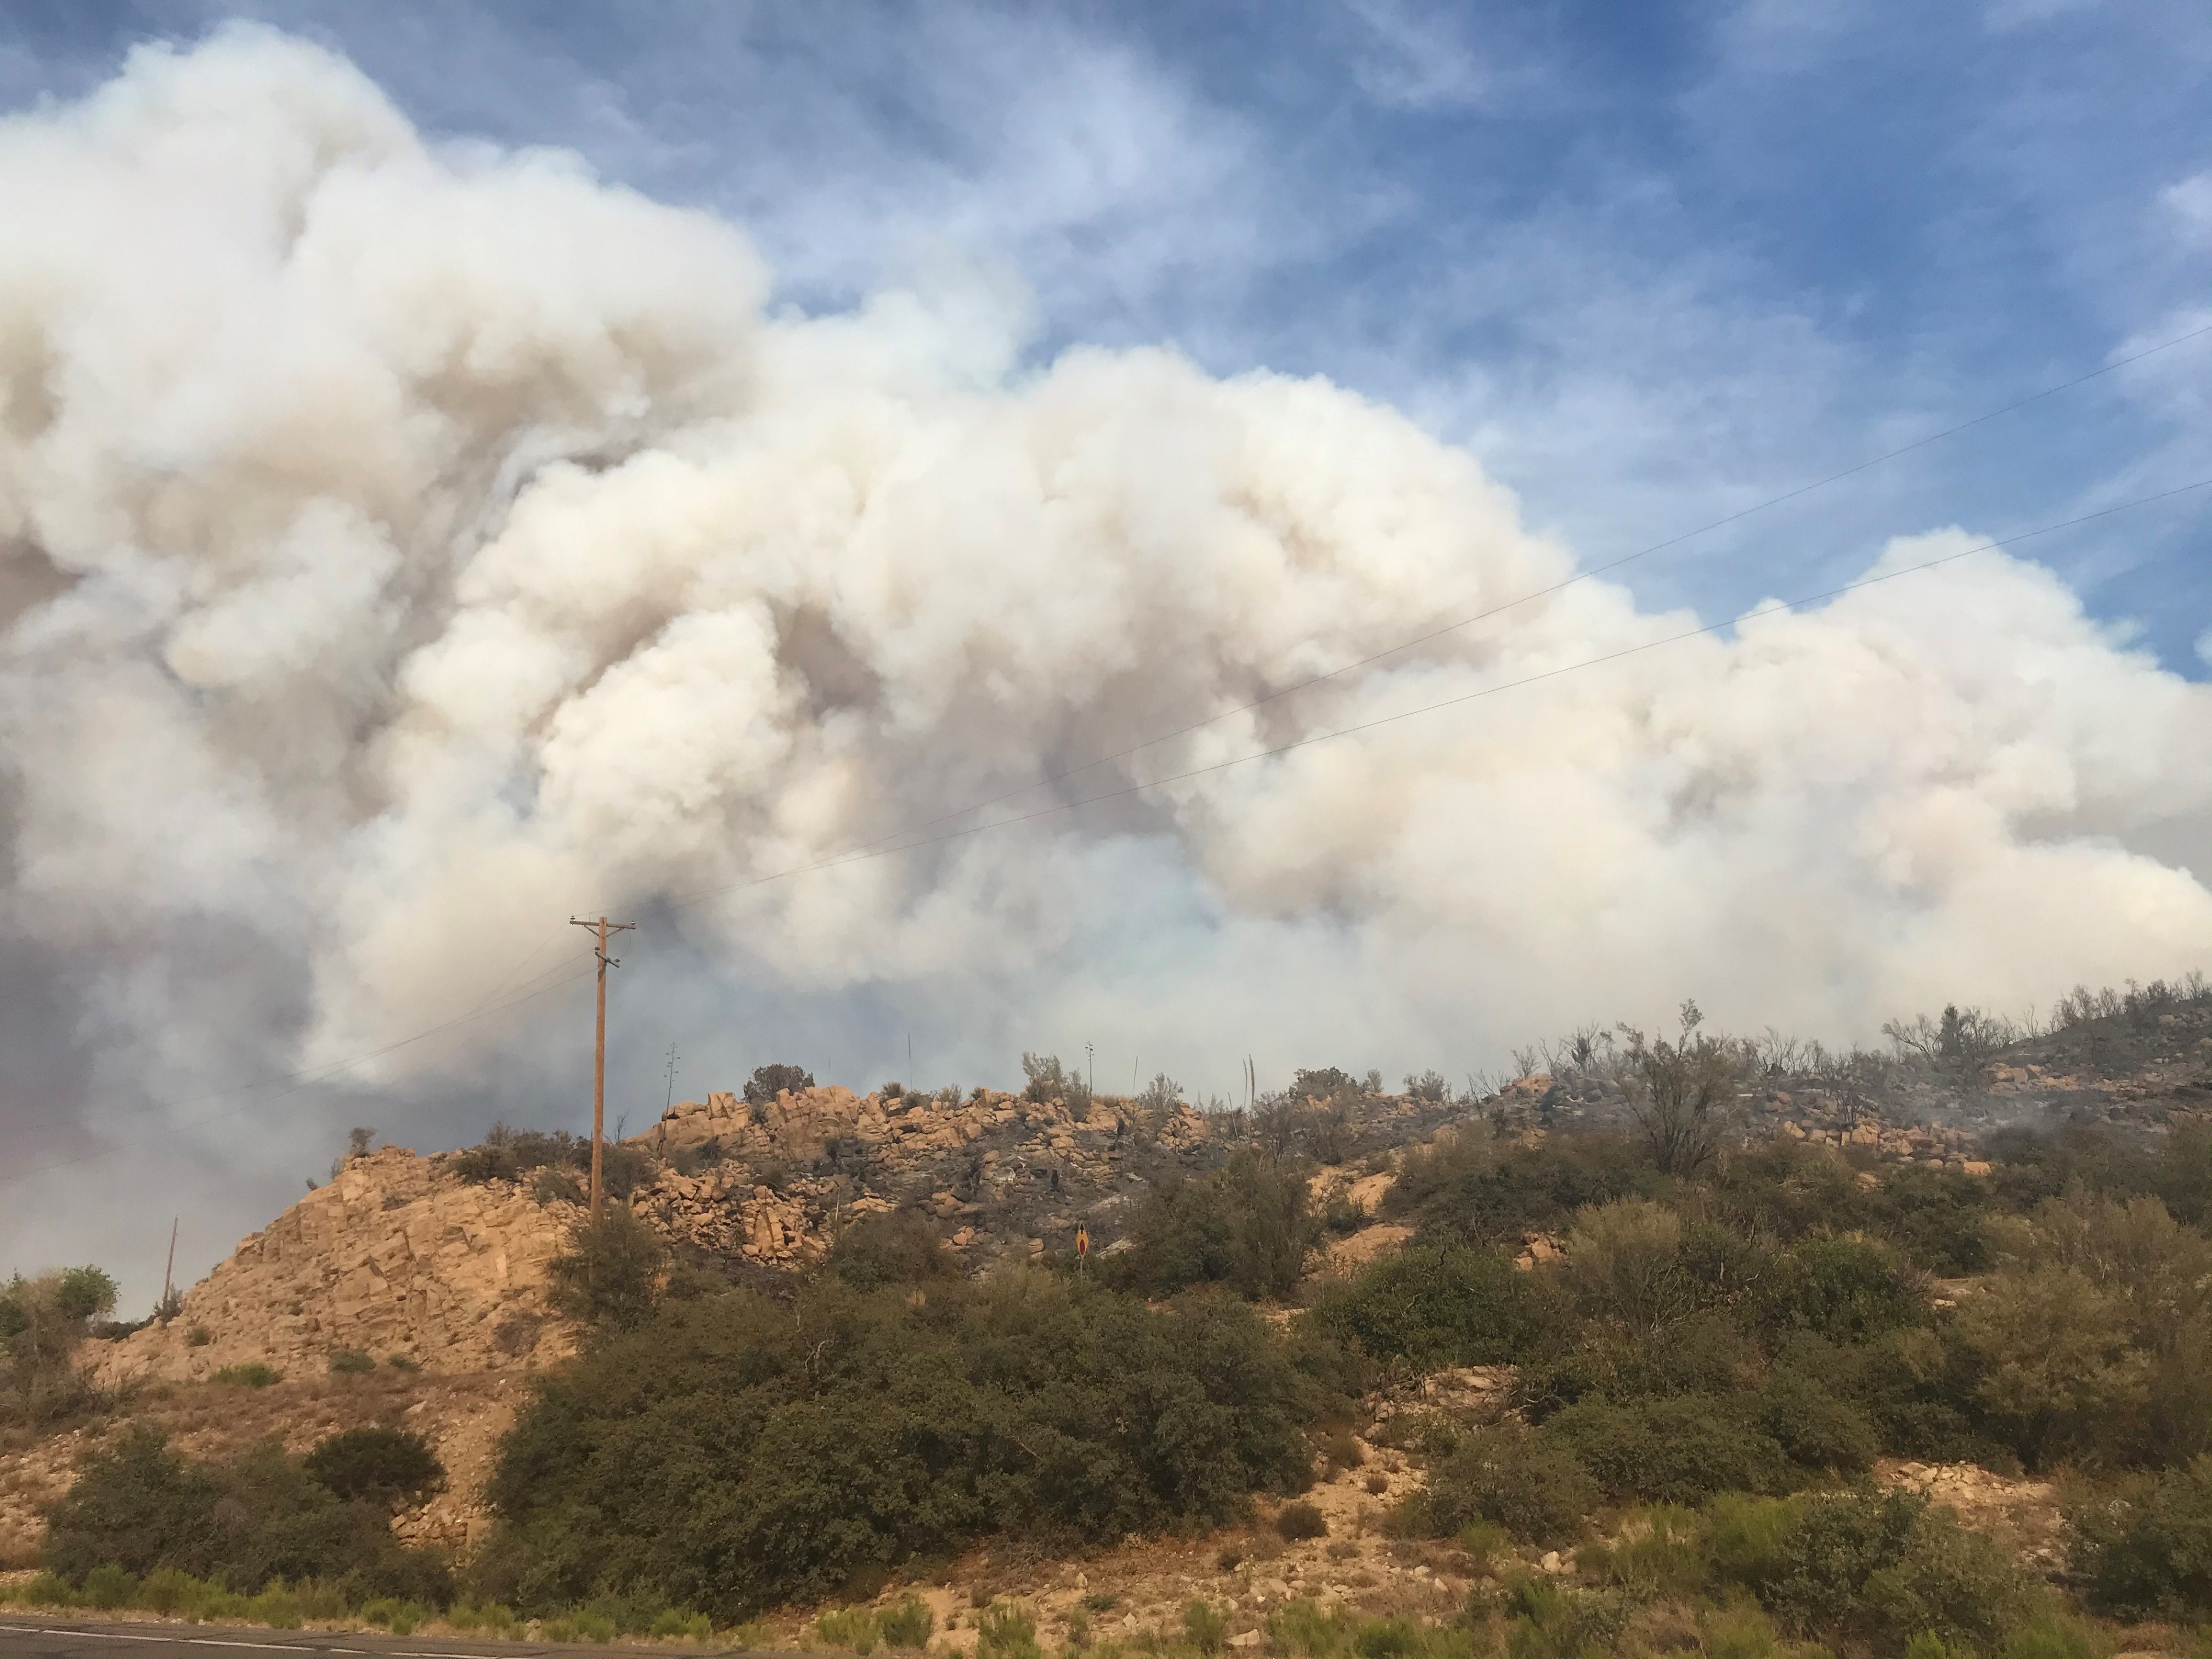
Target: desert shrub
x: 1524, y: 1480
x: 733, y: 1453
x: 906, y: 1623
x: 607, y: 1274
x: 769, y: 1081
x: 199, y: 1337
x: 108, y: 1587
x: 1550, y: 1621
x: 377, y: 1464
x: 140, y: 1506
x: 1248, y: 1225
x: 848, y: 1627
x: 1844, y: 1289
x: 2051, y: 1634
x: 1814, y: 1429
x: 1049, y: 1079
x: 351, y: 1362
x: 1436, y: 1305
x: 1625, y: 1263
x: 1465, y: 1193
x: 252, y: 1374
x: 2057, y: 1364
x: 47, y: 1589
x: 897, y: 1247
x: 1659, y: 1551
x: 1205, y: 1624
x: 1343, y: 1213
x: 1322, y: 1083
x: 1429, y: 1087
x: 42, y: 1322
x: 509, y: 1154
x: 1677, y: 1451
x: 2145, y: 1549
x: 1882, y: 1570
x: 1005, y: 1632
x: 1299, y: 1520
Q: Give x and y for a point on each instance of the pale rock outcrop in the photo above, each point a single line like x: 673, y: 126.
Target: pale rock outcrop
x: 393, y: 1256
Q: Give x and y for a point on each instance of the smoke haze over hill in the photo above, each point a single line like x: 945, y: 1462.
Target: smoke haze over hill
x: 403, y: 546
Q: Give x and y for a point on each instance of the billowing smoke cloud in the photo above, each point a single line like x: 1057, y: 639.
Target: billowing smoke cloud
x: 407, y: 546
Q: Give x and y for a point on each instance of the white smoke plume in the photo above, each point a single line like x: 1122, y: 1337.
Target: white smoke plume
x: 403, y: 547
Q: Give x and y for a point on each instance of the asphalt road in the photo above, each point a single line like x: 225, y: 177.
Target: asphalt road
x: 27, y: 1636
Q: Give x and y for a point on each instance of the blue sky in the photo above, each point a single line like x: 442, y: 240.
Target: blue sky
x: 1652, y: 264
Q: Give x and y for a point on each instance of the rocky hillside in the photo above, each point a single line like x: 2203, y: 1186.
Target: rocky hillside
x: 402, y: 1254
x: 394, y: 1259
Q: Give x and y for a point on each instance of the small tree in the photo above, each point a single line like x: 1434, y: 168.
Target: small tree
x: 42, y: 1320
x: 768, y: 1081
x: 608, y: 1277
x: 1682, y: 1093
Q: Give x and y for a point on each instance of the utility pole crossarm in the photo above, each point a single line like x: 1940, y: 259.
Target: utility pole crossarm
x: 601, y: 930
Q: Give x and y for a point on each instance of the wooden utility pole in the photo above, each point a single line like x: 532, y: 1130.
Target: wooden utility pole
x: 601, y: 928
x: 169, y: 1272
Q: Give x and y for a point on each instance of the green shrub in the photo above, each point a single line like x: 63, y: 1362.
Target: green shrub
x: 1845, y: 1289
x: 607, y: 1275
x: 351, y: 1362
x: 377, y: 1464
x: 736, y: 1453
x: 676, y: 1625
x: 276, y: 1608
x: 1436, y: 1305
x: 1249, y: 1225
x: 1465, y: 1192
x: 1551, y: 1621
x: 1738, y: 1631
x: 252, y: 1375
x: 906, y: 1623
x: 1661, y: 1551
x: 1815, y: 1429
x: 49, y: 1589
x: 471, y: 1618
x: 768, y: 1081
x: 1206, y: 1625
x: 139, y: 1505
x: 1301, y: 1628
x: 166, y: 1590
x: 2145, y: 1550
x: 898, y: 1247
x: 1524, y: 1480
x: 2053, y: 1635
x: 854, y: 1628
x: 390, y: 1613
x: 1880, y: 1570
x: 1005, y: 1631
x: 1300, y: 1520
x: 1388, y: 1638
x: 198, y: 1336
x: 109, y: 1587
x: 1678, y: 1451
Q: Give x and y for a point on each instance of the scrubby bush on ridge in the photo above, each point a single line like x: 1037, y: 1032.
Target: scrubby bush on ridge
x: 734, y: 1454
